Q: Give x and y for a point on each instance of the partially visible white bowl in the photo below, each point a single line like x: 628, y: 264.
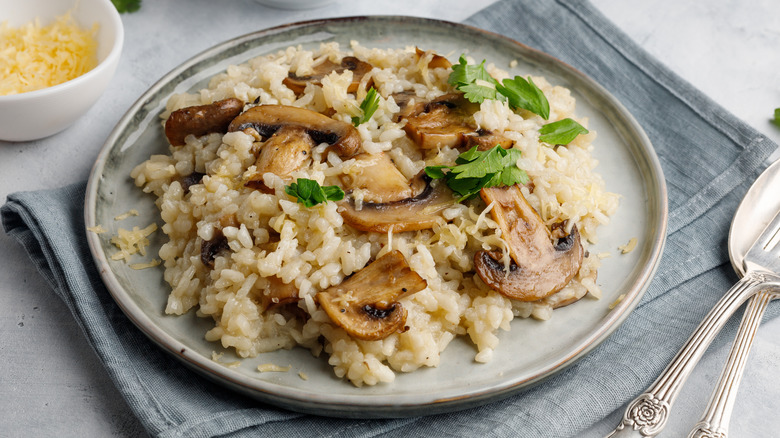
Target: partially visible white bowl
x: 41, y: 113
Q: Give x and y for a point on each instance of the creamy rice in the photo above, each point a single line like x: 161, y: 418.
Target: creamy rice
x: 273, y: 240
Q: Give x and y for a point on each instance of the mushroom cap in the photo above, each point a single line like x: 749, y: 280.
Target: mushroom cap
x: 366, y: 304
x: 283, y: 153
x: 357, y: 67
x: 448, y: 120
x: 342, y: 137
x: 420, y: 212
x: 377, y: 175
x: 538, y: 268
x: 201, y: 119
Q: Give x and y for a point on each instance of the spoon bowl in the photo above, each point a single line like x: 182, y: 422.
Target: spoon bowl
x: 760, y: 204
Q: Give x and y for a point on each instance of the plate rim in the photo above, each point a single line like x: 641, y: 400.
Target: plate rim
x: 356, y: 406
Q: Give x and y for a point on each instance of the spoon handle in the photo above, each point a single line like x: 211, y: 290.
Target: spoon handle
x: 715, y: 420
x: 647, y: 414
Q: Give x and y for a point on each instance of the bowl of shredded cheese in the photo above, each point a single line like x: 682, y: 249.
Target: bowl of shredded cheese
x: 56, y: 59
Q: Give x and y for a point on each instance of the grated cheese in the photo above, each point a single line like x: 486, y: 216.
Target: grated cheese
x: 269, y: 367
x: 131, y: 242
x: 628, y: 247
x: 97, y: 229
x: 126, y: 215
x: 139, y: 266
x: 33, y: 57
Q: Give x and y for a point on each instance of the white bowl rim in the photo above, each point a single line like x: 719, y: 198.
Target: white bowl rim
x: 116, y: 50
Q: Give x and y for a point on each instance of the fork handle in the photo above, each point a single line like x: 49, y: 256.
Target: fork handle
x: 647, y: 414
x: 715, y: 420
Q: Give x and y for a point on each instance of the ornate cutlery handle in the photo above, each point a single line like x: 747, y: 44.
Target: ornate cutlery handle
x: 646, y: 415
x: 715, y: 421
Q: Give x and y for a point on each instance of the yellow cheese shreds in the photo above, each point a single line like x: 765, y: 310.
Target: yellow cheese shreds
x: 126, y: 215
x: 131, y: 242
x: 33, y: 57
x: 269, y: 367
x: 139, y: 266
x: 628, y: 247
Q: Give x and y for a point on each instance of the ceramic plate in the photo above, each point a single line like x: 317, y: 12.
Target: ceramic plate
x: 527, y: 354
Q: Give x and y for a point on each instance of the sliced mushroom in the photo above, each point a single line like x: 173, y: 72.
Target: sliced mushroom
x: 209, y: 249
x: 403, y: 100
x: 358, y: 68
x: 201, y: 120
x: 279, y: 294
x: 284, y: 152
x: 366, y: 304
x: 449, y: 121
x: 342, y: 137
x: 190, y: 180
x: 377, y: 175
x: 437, y: 61
x: 538, y: 268
x: 441, y: 122
x: 420, y: 212
x: 485, y: 140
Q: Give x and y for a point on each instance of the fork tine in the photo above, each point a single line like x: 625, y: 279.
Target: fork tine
x: 770, y: 237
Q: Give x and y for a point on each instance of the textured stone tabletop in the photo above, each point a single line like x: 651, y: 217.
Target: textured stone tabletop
x: 53, y: 385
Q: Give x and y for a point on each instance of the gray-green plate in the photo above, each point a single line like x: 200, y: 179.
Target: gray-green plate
x: 527, y: 354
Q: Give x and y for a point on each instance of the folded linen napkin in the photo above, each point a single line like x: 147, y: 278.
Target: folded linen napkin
x: 709, y: 159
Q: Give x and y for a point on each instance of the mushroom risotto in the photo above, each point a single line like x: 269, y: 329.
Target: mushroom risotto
x: 372, y: 205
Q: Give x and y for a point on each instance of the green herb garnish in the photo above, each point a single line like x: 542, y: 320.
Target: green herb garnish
x: 526, y: 95
x: 477, y: 85
x: 367, y: 107
x: 561, y: 132
x: 310, y: 193
x: 776, y: 120
x: 476, y: 169
x: 474, y: 81
x: 127, y: 5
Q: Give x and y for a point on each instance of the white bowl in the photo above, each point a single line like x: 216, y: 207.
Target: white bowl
x: 41, y: 113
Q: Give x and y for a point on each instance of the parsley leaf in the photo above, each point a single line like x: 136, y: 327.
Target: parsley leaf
x: 367, y: 107
x: 776, y: 120
x: 526, y: 95
x: 476, y: 169
x: 310, y: 193
x: 561, y: 132
x: 127, y: 5
x: 474, y: 81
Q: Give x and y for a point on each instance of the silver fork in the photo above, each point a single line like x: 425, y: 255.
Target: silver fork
x: 647, y: 414
x: 715, y: 420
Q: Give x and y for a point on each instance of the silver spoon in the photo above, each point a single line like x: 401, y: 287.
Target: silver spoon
x: 755, y: 211
x: 646, y: 415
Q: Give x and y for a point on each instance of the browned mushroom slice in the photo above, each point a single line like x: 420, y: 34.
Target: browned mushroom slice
x: 416, y: 213
x: 201, y: 120
x: 538, y: 268
x: 444, y: 121
x: 279, y: 294
x: 378, y: 176
x: 359, y: 69
x: 403, y: 100
x: 437, y: 61
x: 366, y: 304
x: 485, y: 140
x: 342, y: 137
x: 281, y: 154
x: 209, y: 249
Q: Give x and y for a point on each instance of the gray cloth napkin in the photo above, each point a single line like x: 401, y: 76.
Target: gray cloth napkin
x: 709, y: 158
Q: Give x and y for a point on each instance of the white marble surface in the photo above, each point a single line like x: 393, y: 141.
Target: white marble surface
x: 53, y: 385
